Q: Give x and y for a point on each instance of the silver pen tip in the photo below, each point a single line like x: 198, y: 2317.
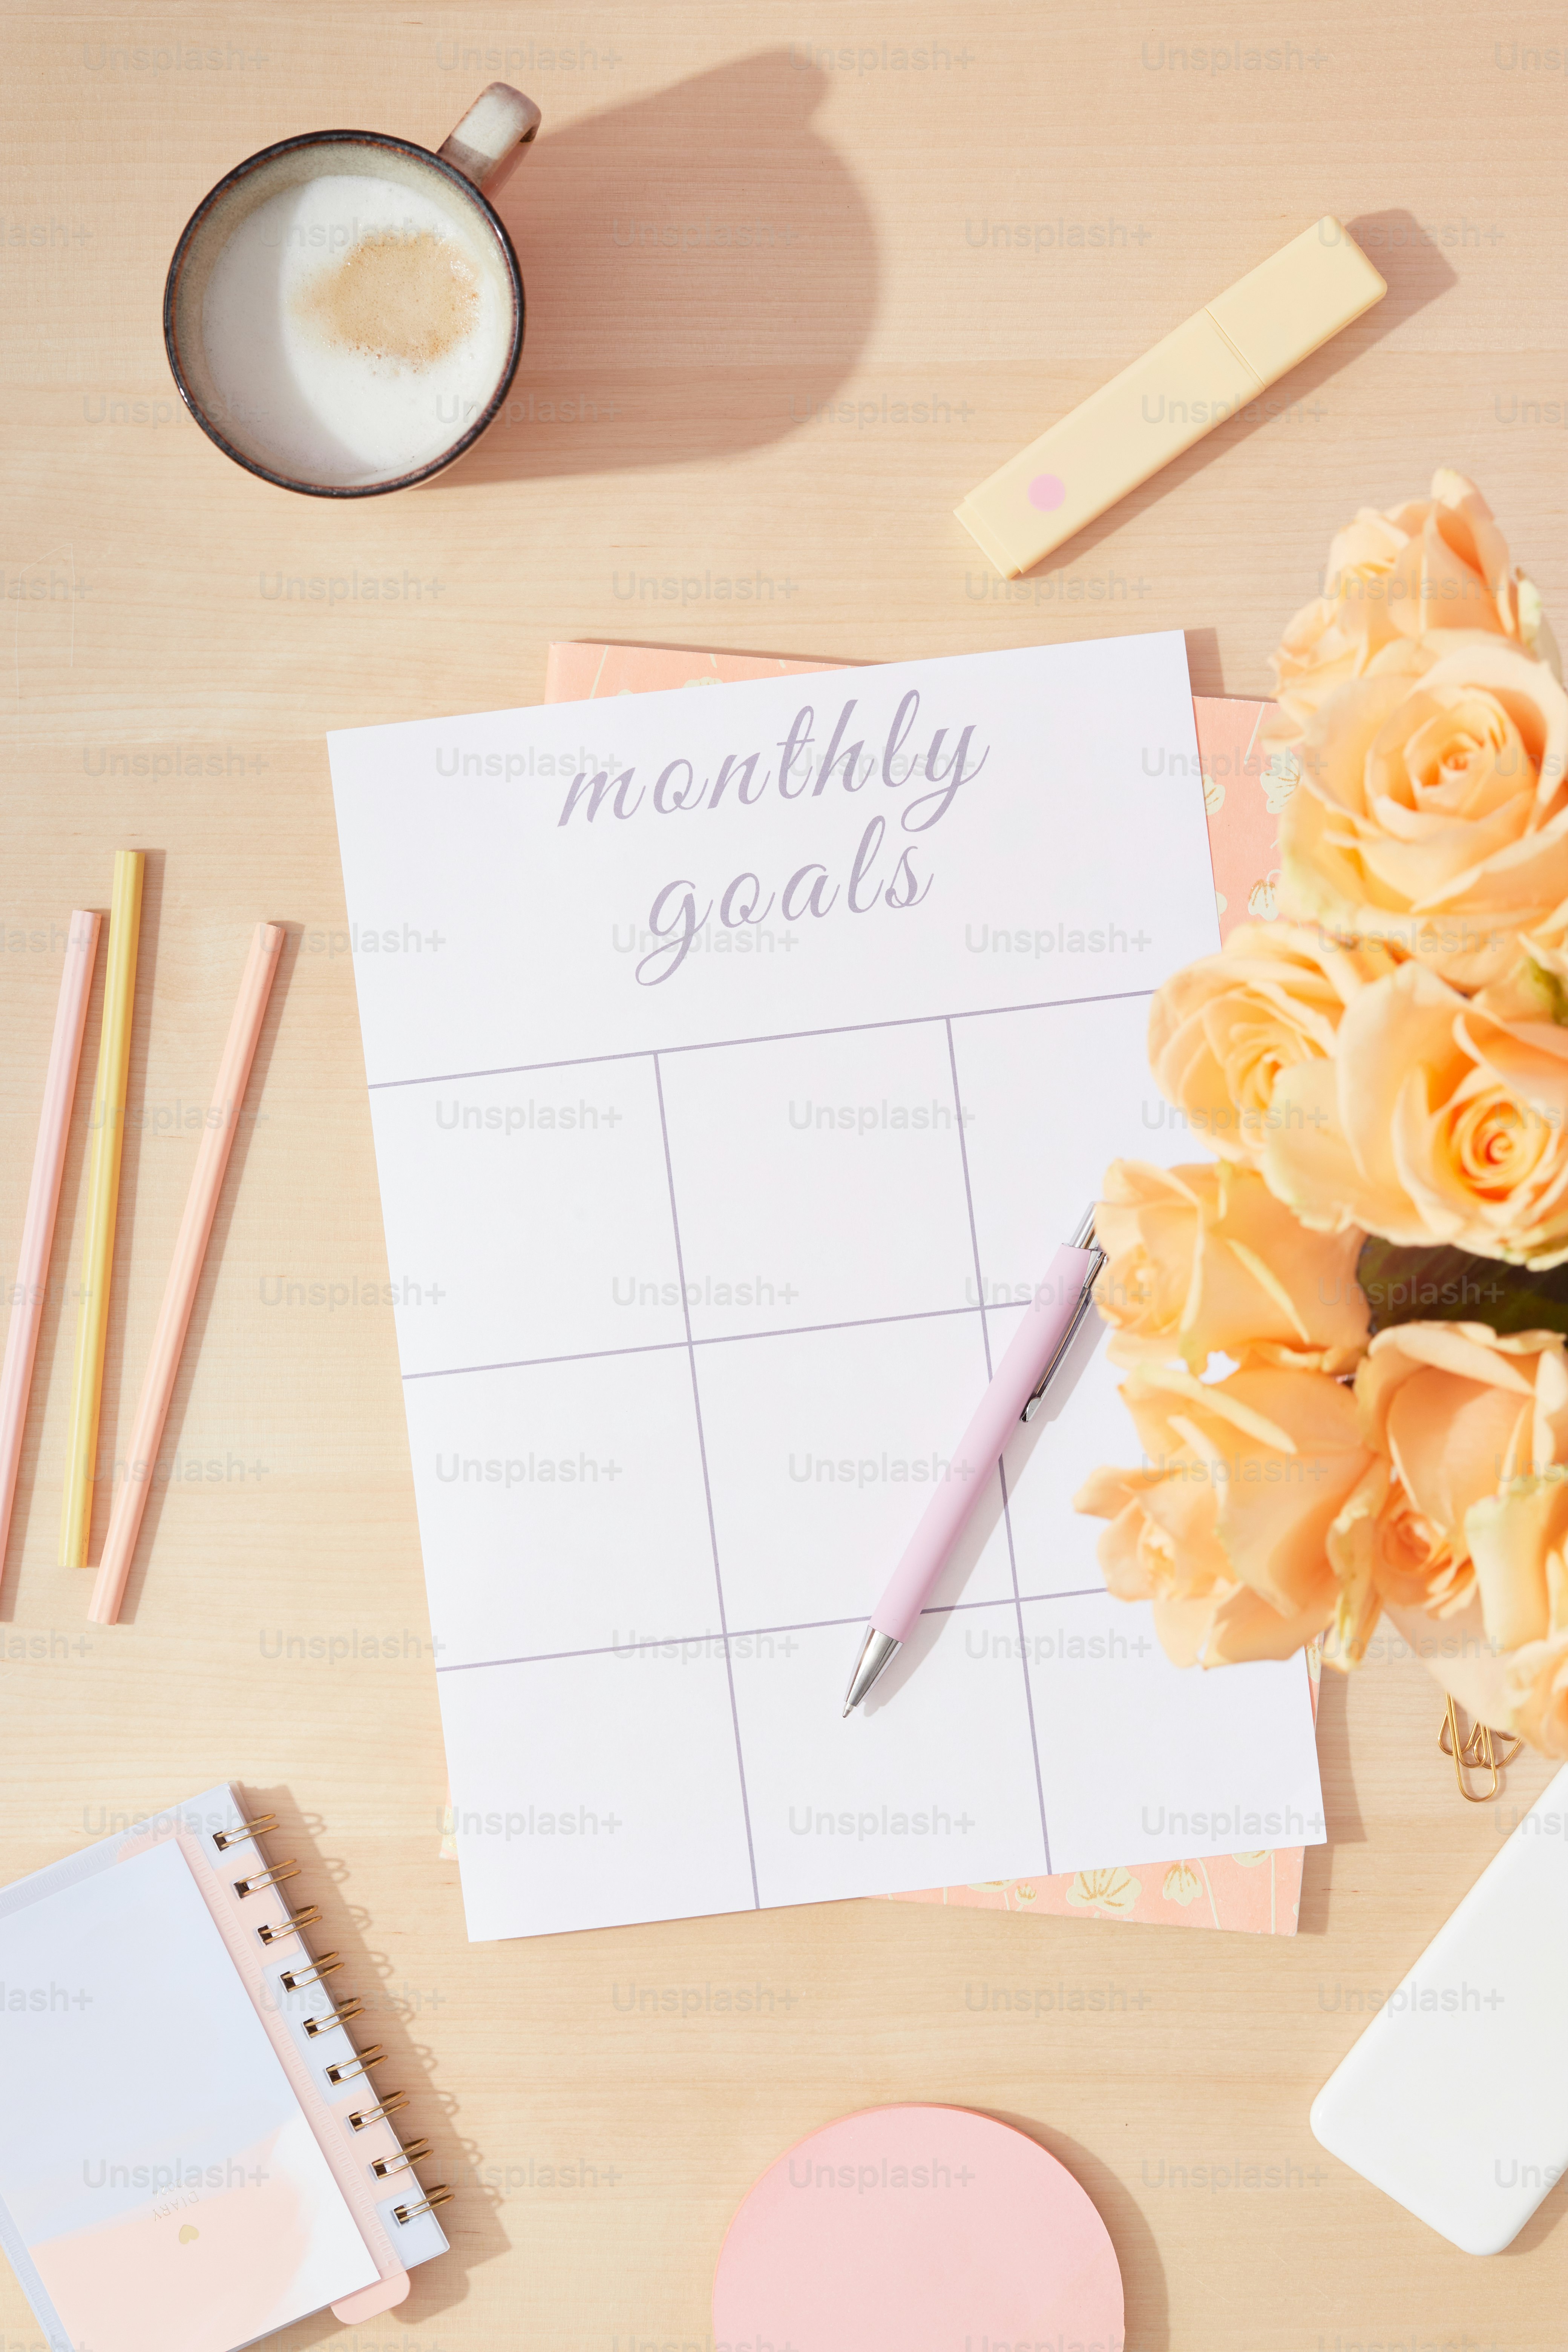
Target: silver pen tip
x: 877, y: 1651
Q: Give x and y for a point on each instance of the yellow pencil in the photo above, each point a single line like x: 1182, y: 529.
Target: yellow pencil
x: 103, y: 1202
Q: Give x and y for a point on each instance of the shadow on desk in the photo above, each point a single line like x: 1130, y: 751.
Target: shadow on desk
x: 700, y: 271
x: 1542, y: 2223
x: 1340, y: 1806
x: 1147, y: 2326
x: 471, y: 2220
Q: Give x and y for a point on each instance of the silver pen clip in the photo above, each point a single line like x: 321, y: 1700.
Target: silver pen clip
x: 1083, y: 1238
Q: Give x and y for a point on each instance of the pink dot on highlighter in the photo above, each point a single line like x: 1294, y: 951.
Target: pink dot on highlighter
x: 1047, y: 491
x: 920, y: 2227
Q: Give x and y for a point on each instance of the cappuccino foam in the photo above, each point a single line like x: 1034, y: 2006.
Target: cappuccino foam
x: 351, y: 329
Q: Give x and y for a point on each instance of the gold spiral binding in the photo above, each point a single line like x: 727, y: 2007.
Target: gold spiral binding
x: 328, y: 2022
x: 261, y: 1878
x: 296, y: 1979
x: 311, y: 1972
x: 389, y: 2106
x: 359, y: 2064
x: 439, y: 2195
x: 277, y: 1931
x: 246, y: 1832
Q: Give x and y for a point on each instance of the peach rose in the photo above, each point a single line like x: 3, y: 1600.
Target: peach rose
x: 1432, y: 811
x: 1519, y: 1537
x: 1205, y: 1260
x: 1222, y: 1029
x: 1452, y: 1412
x: 1458, y: 1656
x: 1436, y: 563
x: 1538, y: 1692
x: 1225, y: 1529
x: 1536, y: 986
x: 1436, y: 1120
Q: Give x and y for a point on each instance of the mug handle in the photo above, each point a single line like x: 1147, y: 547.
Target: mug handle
x: 492, y: 138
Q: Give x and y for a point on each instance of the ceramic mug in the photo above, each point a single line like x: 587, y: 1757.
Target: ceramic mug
x: 301, y: 404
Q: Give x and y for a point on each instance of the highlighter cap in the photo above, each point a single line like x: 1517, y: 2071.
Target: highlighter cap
x: 1298, y: 299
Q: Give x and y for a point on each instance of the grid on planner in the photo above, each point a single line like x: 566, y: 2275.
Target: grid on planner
x: 706, y: 1225
x: 770, y: 1279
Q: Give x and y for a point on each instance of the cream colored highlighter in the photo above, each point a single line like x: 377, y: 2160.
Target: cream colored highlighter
x: 1210, y: 367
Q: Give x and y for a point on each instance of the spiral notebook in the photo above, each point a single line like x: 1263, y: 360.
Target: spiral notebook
x: 198, y: 2154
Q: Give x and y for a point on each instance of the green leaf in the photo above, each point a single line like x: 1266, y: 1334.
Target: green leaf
x: 1438, y: 1284
x: 1547, y: 988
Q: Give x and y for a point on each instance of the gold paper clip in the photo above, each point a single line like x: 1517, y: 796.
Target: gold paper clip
x: 1478, y: 1753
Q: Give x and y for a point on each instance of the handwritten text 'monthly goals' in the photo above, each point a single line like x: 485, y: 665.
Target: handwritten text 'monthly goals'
x: 881, y: 873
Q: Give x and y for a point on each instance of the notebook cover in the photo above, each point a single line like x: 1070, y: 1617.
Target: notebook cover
x: 218, y: 2194
x: 1244, y: 792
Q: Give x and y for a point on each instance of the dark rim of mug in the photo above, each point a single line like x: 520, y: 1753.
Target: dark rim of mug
x: 344, y: 139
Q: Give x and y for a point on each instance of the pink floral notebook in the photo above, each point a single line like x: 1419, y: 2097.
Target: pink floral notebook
x: 1243, y: 791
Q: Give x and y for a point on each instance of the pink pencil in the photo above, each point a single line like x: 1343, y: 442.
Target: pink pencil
x: 43, y: 1202
x: 180, y: 1292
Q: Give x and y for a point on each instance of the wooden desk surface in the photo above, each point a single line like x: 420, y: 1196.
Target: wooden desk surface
x: 797, y: 279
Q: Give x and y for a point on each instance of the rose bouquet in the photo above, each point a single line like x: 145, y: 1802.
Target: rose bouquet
x: 1378, y: 1255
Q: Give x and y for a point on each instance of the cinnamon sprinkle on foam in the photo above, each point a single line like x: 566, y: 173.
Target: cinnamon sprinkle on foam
x: 393, y: 297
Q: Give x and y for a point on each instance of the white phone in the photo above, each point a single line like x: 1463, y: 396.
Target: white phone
x: 1455, y: 2100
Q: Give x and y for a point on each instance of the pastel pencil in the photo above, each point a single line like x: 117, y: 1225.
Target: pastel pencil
x: 103, y: 1202
x: 184, y: 1274
x: 43, y: 1205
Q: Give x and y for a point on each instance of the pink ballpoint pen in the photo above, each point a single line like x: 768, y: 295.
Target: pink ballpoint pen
x: 1015, y: 1393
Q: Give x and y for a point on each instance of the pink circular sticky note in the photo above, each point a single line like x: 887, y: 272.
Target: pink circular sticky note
x: 919, y: 2227
x: 1047, y: 490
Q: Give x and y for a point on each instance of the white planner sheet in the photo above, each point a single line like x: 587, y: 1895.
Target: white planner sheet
x: 730, y: 1091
